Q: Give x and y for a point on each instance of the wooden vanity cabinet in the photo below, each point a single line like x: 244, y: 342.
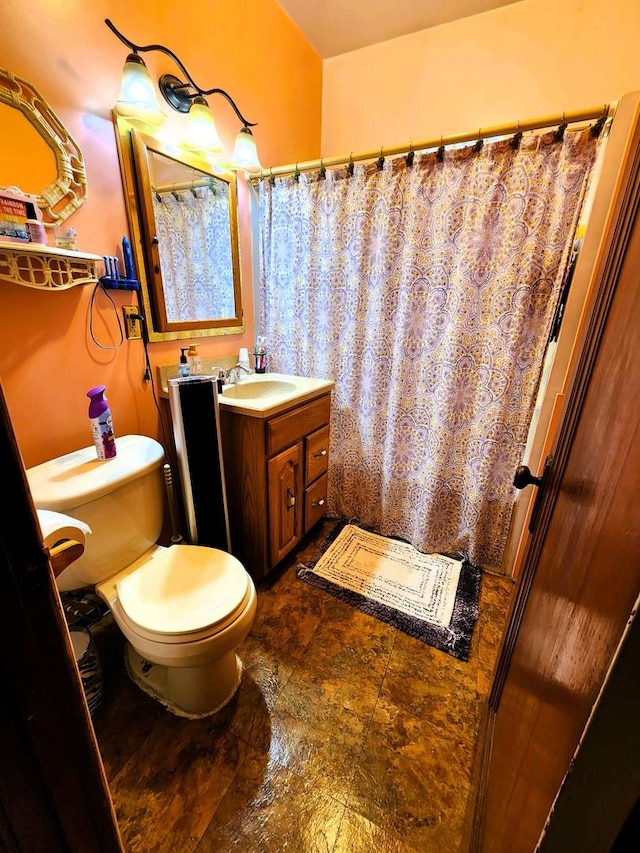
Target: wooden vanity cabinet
x: 276, y: 479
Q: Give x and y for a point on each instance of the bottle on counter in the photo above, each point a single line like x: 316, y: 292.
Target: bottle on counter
x: 195, y: 362
x: 243, y: 358
x: 184, y: 368
x: 101, y: 423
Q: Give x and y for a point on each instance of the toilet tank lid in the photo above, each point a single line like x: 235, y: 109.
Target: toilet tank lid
x: 79, y: 477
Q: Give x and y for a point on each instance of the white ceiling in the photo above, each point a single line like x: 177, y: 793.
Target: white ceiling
x: 339, y: 26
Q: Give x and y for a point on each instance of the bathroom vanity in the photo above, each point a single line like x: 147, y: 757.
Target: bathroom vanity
x: 275, y: 441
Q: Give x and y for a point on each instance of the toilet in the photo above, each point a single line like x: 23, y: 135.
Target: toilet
x: 184, y: 609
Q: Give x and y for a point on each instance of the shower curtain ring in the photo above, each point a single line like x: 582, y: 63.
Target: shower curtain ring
x: 558, y: 134
x: 440, y: 151
x: 272, y: 180
x: 322, y: 172
x: 350, y: 165
x: 380, y: 161
x: 410, y: 155
x: 517, y: 136
x: 597, y: 127
x: 296, y: 174
x: 479, y: 142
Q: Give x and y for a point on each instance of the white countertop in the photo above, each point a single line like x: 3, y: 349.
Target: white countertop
x: 282, y: 391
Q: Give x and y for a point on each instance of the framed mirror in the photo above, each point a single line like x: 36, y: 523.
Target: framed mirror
x: 64, y: 174
x: 184, y: 225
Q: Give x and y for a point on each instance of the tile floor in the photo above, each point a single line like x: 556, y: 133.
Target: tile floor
x: 346, y: 735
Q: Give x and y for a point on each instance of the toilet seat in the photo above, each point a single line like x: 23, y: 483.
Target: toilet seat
x: 183, y: 593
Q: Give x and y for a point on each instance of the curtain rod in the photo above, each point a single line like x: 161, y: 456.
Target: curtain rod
x: 163, y: 189
x: 599, y: 112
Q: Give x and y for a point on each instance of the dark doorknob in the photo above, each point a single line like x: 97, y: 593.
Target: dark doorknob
x: 524, y: 477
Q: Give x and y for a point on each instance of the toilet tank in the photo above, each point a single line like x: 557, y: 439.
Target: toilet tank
x: 121, y: 499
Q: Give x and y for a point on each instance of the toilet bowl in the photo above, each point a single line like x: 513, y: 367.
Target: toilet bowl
x: 183, y: 609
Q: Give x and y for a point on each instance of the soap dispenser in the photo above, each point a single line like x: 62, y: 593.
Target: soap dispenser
x: 184, y: 368
x: 195, y: 362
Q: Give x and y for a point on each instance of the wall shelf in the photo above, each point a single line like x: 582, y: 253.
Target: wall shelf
x: 45, y: 267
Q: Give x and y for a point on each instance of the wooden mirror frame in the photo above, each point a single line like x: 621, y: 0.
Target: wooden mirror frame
x: 68, y: 191
x: 137, y: 191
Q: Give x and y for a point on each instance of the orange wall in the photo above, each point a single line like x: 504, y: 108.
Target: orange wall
x: 47, y: 357
x: 525, y: 60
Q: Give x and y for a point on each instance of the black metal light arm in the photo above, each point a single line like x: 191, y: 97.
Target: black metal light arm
x: 169, y: 83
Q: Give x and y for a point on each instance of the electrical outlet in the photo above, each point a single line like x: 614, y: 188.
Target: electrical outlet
x: 133, y: 326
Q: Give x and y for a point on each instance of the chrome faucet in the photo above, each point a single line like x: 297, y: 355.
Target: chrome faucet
x: 234, y: 374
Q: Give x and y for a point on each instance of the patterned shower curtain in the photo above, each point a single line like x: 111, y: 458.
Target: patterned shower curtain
x: 195, y: 253
x: 427, y: 292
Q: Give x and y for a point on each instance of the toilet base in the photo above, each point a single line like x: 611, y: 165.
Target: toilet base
x: 190, y: 691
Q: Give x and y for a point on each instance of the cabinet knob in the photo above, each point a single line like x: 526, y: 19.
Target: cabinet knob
x: 318, y: 503
x: 291, y: 500
x: 321, y: 453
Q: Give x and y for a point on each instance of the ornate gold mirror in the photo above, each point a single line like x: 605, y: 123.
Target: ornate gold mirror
x: 66, y: 176
x: 184, y: 225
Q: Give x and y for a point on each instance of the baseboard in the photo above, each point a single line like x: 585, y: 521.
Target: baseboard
x: 479, y: 782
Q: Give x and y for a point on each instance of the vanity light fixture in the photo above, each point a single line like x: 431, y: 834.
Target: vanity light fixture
x: 137, y: 102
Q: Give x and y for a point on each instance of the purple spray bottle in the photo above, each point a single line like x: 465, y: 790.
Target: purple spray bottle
x: 101, y: 423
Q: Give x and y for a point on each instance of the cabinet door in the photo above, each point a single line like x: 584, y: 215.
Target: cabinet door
x: 285, y: 501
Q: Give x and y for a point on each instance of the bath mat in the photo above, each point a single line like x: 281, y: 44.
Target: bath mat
x: 430, y: 596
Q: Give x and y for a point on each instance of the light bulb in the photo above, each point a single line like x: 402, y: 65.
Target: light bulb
x: 245, y: 153
x: 137, y: 101
x: 201, y: 132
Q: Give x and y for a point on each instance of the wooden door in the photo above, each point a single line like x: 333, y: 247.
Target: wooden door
x: 581, y: 576
x: 53, y: 790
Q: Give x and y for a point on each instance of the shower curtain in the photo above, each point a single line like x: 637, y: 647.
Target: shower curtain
x: 195, y: 253
x: 426, y: 290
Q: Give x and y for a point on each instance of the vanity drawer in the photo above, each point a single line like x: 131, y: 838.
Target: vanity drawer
x: 316, y: 453
x: 315, y: 504
x: 285, y: 430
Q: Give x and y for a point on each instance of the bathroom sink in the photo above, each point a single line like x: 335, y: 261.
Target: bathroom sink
x: 265, y: 394
x: 257, y: 389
